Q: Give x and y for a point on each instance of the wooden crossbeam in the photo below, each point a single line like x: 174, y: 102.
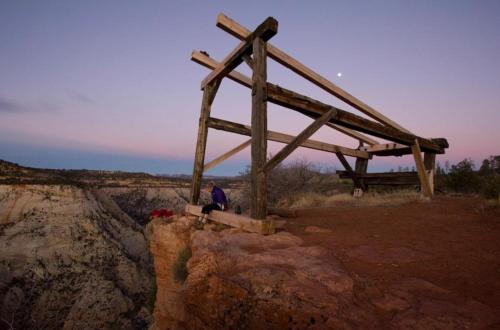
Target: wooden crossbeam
x: 263, y: 227
x: 235, y: 29
x: 383, y: 147
x: 237, y: 128
x: 309, y: 106
x: 265, y: 31
x: 226, y: 155
x: 240, y: 78
x: 422, y: 174
x: 297, y: 141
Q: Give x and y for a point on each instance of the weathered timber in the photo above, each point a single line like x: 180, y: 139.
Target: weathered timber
x: 430, y: 164
x: 201, y: 144
x: 297, y: 141
x: 360, y: 169
x: 383, y: 147
x: 235, y: 29
x: 386, y: 178
x: 422, y: 174
x: 226, y: 155
x: 348, y: 168
x: 238, y: 128
x: 264, y: 31
x: 263, y: 227
x: 240, y: 78
x: 309, y: 106
x: 258, y: 187
x: 248, y: 60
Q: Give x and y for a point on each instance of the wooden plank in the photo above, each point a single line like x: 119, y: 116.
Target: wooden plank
x: 265, y: 31
x: 360, y: 169
x: 226, y: 155
x: 238, y: 128
x: 309, y: 106
x: 248, y: 60
x: 240, y: 78
x: 422, y: 174
x: 297, y: 141
x: 235, y: 29
x: 263, y: 227
x: 201, y: 144
x: 387, y: 178
x: 258, y: 186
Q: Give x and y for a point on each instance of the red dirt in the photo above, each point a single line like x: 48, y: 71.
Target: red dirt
x: 437, y: 255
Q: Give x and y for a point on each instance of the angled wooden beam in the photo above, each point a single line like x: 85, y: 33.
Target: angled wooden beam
x: 240, y: 78
x: 235, y: 29
x: 348, y: 168
x: 265, y: 31
x: 237, y: 128
x: 263, y: 227
x: 297, y: 141
x: 430, y: 164
x: 422, y: 174
x: 248, y: 60
x: 226, y: 155
x: 309, y: 106
x: 201, y: 144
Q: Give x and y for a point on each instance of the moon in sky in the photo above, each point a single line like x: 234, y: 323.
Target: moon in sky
x: 339, y: 74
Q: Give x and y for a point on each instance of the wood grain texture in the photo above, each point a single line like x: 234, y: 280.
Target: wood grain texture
x: 258, y: 186
x: 263, y: 227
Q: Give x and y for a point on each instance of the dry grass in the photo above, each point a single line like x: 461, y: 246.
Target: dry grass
x: 312, y: 199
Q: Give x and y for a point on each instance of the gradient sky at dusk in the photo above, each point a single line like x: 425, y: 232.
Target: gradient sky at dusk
x: 109, y: 84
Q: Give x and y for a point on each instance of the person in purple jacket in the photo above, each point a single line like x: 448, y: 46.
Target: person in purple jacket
x: 219, y: 201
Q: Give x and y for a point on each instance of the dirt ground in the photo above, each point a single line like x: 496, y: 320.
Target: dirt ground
x: 439, y: 257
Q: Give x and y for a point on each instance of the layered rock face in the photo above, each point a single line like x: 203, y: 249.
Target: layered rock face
x: 71, y: 259
x: 243, y: 280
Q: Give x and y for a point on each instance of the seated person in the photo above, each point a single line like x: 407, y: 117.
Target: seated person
x: 219, y: 201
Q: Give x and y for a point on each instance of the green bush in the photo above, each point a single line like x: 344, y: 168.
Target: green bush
x: 490, y: 186
x: 179, y: 267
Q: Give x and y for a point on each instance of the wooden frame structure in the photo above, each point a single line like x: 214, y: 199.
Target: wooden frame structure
x: 254, y: 49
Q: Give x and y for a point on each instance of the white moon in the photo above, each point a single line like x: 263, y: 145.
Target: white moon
x: 339, y: 74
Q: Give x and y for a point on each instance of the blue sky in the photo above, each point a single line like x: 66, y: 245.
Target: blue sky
x: 109, y: 84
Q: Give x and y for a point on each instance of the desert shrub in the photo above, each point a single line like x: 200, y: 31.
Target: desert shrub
x: 490, y: 186
x: 179, y: 268
x: 287, y: 182
x: 462, y: 178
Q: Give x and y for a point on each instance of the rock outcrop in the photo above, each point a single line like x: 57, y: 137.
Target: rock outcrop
x: 70, y: 260
x: 243, y: 280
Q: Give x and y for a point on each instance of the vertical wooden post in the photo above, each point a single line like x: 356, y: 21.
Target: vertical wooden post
x: 258, y: 190
x: 422, y: 174
x: 208, y: 97
x: 360, y: 169
x: 430, y: 164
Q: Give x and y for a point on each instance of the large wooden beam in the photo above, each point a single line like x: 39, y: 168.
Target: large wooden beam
x: 422, y: 174
x: 263, y: 227
x: 297, y: 141
x: 387, y: 178
x: 240, y: 78
x: 237, y: 128
x: 201, y: 144
x: 226, y: 155
x: 235, y: 29
x: 258, y: 187
x: 314, y: 108
x: 360, y: 169
x: 264, y: 31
